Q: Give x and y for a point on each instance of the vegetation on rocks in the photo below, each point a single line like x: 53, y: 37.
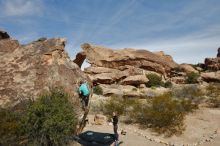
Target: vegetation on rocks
x: 10, y: 127
x: 192, y: 78
x: 168, y: 84
x: 192, y: 92
x: 48, y: 121
x: 97, y: 90
x: 154, y: 80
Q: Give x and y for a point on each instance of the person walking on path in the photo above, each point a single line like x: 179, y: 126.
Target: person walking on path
x: 115, y: 125
x: 84, y: 94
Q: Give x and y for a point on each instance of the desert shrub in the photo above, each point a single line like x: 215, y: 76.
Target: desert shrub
x: 154, y: 80
x: 164, y: 114
x: 192, y: 78
x: 213, y: 91
x: 161, y: 112
x: 168, y: 84
x: 188, y: 105
x: 10, y: 127
x: 114, y: 104
x: 98, y: 90
x: 47, y: 121
x: 122, y: 106
x: 50, y: 119
x: 192, y: 92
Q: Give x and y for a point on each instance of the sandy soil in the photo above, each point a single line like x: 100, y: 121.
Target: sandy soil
x: 202, y: 128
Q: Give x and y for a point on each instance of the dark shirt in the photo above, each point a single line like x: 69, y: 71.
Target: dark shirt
x: 115, y: 120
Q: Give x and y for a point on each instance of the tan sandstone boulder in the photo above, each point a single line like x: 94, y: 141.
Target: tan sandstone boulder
x: 187, y: 68
x: 213, y: 64
x: 28, y: 70
x: 135, y: 80
x: 211, y: 76
x: 109, y: 58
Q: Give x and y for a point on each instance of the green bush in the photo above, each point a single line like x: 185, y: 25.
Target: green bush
x: 154, y: 80
x: 10, y: 127
x: 213, y: 91
x: 120, y: 105
x: 168, y: 84
x: 192, y: 92
x: 192, y: 78
x: 114, y: 104
x: 98, y: 90
x: 164, y: 114
x: 50, y: 119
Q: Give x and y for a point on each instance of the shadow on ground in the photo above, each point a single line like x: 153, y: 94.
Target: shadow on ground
x: 91, y: 138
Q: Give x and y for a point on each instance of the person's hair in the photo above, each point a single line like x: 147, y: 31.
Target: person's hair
x: 81, y: 82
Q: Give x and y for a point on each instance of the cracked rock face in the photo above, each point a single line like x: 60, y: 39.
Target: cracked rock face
x: 110, y: 66
x: 28, y: 70
x: 104, y: 57
x: 213, y: 64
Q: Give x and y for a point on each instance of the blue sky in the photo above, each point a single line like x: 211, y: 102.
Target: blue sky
x: 189, y: 30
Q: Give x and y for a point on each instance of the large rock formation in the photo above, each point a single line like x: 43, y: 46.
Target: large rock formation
x: 4, y: 35
x: 109, y: 66
x: 211, y: 76
x: 80, y: 57
x: 213, y: 64
x: 28, y: 70
x: 128, y: 91
x: 218, y: 55
x: 187, y: 68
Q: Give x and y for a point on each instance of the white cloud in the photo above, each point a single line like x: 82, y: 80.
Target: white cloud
x: 21, y: 7
x: 192, y: 48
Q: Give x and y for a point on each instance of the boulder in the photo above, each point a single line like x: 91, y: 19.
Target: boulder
x: 28, y: 70
x: 113, y: 89
x: 128, y: 91
x: 187, y: 68
x: 211, y: 76
x: 142, y: 86
x: 4, y: 35
x: 135, y: 80
x: 218, y: 55
x: 117, y: 59
x: 107, y: 78
x: 212, y: 64
x: 80, y: 57
x: 99, y: 70
x: 178, y: 80
x: 105, y: 75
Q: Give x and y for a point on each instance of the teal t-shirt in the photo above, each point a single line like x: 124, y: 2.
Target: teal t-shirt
x: 84, y: 89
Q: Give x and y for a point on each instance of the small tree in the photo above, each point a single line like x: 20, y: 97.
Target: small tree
x: 192, y: 78
x: 154, y: 80
x: 50, y: 119
x: 168, y: 84
x: 98, y: 90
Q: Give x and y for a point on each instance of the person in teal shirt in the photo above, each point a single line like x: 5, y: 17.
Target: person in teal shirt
x: 84, y: 93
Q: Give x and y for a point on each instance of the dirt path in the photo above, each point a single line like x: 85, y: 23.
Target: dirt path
x: 203, y: 128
